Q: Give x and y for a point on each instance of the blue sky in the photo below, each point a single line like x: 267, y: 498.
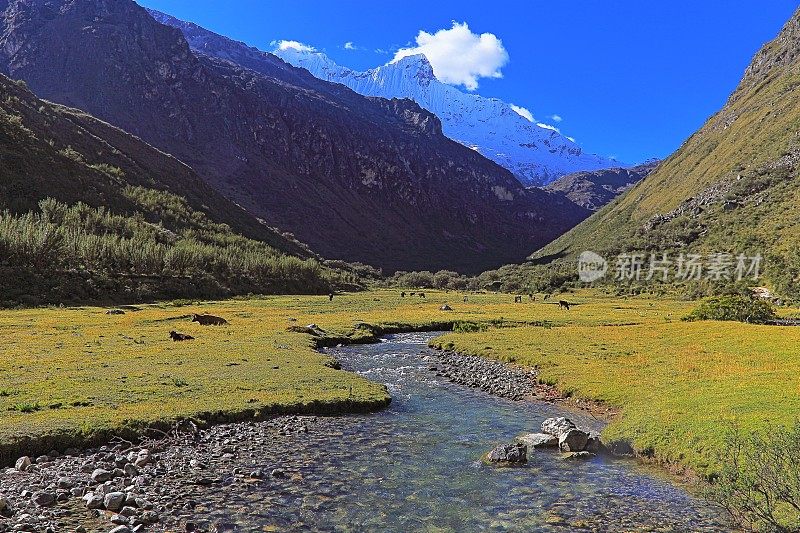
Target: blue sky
x: 629, y: 78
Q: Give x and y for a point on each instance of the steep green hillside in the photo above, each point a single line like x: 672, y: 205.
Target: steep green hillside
x: 91, y: 213
x: 731, y: 188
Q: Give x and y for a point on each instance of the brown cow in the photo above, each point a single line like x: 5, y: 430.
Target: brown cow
x: 209, y: 320
x: 563, y: 304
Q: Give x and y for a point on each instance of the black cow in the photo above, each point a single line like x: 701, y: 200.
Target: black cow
x: 180, y: 336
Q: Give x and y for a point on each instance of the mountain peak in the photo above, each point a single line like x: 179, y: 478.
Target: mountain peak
x: 417, y: 62
x: 534, y: 154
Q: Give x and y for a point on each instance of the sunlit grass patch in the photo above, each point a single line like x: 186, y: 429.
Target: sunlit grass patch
x: 677, y: 383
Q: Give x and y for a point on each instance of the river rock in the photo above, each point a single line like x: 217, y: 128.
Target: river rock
x: 101, y: 475
x: 23, y: 463
x: 5, y: 508
x: 142, y: 458
x: 573, y: 440
x: 594, y: 444
x: 119, y: 520
x: 557, y: 426
x: 514, y: 453
x: 114, y: 501
x: 121, y: 529
x: 44, y: 498
x: 539, y: 440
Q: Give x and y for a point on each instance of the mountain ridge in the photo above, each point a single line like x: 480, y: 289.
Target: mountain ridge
x: 732, y: 187
x: 356, y: 178
x: 534, y: 154
x: 594, y: 189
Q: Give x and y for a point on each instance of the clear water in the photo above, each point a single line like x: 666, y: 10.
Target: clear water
x: 415, y: 466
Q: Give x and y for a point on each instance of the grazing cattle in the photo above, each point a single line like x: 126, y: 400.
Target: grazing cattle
x: 115, y: 312
x: 517, y: 299
x: 413, y: 293
x: 546, y: 296
x: 403, y: 294
x: 209, y: 320
x: 465, y: 299
x: 563, y: 304
x: 180, y: 336
x: 330, y: 297
x: 531, y: 298
x: 422, y: 295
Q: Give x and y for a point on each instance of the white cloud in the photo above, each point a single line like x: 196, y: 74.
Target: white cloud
x: 571, y: 138
x: 293, y: 45
x: 548, y: 127
x: 523, y: 112
x: 458, y: 56
x: 556, y: 118
x: 349, y: 46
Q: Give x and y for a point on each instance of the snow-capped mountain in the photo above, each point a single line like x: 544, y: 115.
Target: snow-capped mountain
x: 537, y: 155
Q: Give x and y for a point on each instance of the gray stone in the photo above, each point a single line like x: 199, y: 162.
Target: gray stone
x: 142, y: 458
x: 44, y: 498
x: 131, y: 470
x: 5, y: 508
x: 573, y: 440
x: 121, y: 529
x: 114, y: 501
x: 128, y: 511
x: 101, y: 475
x: 93, y: 501
x: 539, y: 440
x: 557, y: 426
x: 23, y: 463
x: 594, y: 444
x: 120, y: 520
x: 514, y: 453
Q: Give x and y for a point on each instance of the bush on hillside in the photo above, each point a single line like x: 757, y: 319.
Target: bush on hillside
x: 734, y: 307
x: 759, y: 480
x: 183, y: 244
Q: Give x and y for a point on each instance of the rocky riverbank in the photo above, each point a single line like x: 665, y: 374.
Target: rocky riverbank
x: 494, y: 377
x: 506, y: 380
x: 185, y: 481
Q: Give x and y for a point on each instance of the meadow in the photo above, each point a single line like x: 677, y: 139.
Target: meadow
x: 69, y: 376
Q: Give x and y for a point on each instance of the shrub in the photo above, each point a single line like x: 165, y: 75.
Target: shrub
x: 735, y: 307
x: 759, y: 480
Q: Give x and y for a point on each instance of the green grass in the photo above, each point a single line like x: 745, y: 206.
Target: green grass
x: 675, y: 383
x: 71, y: 375
x: 742, y: 147
x: 678, y: 385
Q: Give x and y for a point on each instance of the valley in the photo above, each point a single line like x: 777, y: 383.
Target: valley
x: 252, y: 290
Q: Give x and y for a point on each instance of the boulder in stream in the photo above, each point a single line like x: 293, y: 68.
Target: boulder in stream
x: 515, y: 453
x: 539, y: 440
x: 557, y: 426
x: 573, y: 440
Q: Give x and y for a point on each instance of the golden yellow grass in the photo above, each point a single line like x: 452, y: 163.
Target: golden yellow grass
x: 679, y: 385
x: 87, y: 373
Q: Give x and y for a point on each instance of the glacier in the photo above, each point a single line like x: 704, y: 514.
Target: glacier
x: 535, y: 154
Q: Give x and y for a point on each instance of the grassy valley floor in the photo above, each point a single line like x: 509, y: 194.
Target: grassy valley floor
x: 70, y: 376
